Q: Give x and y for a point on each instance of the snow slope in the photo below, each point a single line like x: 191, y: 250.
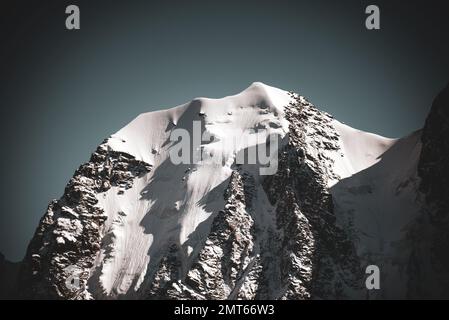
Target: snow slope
x: 378, y: 203
x: 171, y: 202
x: 359, y: 150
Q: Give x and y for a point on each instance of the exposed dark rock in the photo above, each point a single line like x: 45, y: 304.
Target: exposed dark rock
x: 69, y: 234
x: 429, y: 262
x: 8, y: 278
x: 433, y: 164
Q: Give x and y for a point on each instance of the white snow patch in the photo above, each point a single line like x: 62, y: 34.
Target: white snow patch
x: 359, y: 150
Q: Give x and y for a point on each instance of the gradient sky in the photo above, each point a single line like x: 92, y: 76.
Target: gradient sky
x: 62, y: 92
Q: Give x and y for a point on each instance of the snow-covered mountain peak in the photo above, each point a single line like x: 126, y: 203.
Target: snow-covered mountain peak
x: 136, y: 223
x: 257, y: 107
x: 181, y: 199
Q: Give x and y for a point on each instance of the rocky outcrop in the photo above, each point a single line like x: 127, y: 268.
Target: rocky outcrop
x: 220, y: 268
x: 318, y: 259
x: 69, y: 235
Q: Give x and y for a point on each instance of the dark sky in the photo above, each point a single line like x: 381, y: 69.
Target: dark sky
x: 62, y: 92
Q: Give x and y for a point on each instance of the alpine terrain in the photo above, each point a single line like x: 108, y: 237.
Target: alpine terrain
x: 132, y: 224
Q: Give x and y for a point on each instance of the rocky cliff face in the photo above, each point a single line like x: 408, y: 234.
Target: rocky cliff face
x: 316, y: 259
x: 434, y: 158
x: 300, y: 233
x: 430, y: 259
x: 69, y: 235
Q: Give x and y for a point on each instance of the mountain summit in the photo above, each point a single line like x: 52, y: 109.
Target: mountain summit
x: 135, y: 224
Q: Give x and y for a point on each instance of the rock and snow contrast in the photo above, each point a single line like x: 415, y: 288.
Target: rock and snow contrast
x: 131, y: 224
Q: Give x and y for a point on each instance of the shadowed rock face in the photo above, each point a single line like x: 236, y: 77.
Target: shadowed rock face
x: 8, y: 278
x: 273, y: 237
x: 430, y: 234
x: 433, y: 163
